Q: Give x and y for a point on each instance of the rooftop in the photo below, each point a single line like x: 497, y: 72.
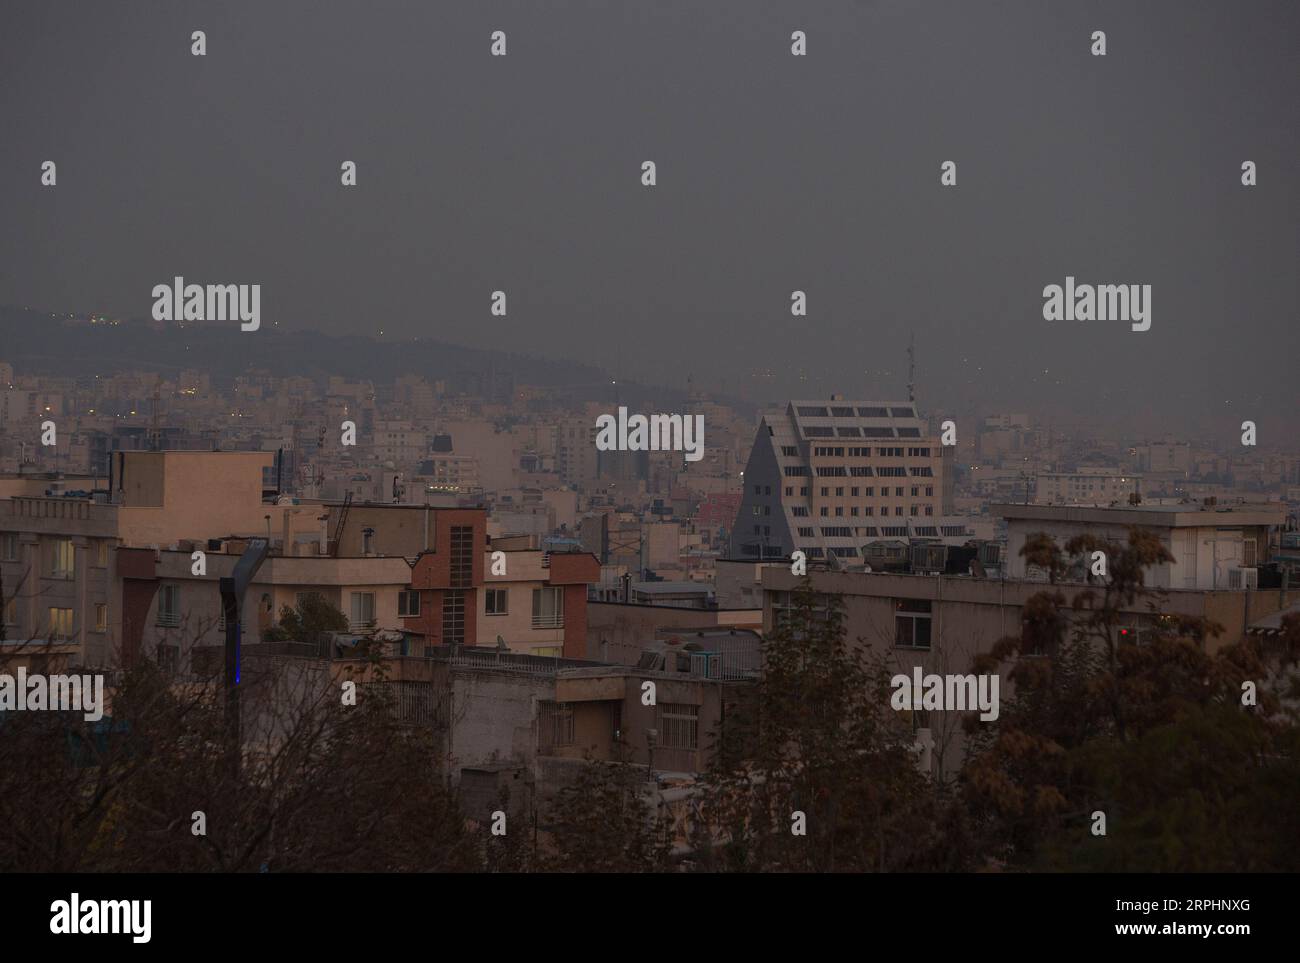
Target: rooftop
x: 1152, y: 516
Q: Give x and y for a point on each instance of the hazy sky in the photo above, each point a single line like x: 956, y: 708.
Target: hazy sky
x: 775, y: 173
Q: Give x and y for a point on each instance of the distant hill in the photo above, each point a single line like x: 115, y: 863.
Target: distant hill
x: 40, y: 343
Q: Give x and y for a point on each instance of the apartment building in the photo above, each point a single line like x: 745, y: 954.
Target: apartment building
x: 1213, y: 547
x: 1087, y: 486
x: 455, y: 592
x: 825, y: 477
x: 59, y: 553
x: 941, y: 622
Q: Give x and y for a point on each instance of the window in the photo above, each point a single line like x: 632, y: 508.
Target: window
x: 60, y: 625
x: 408, y: 603
x: 101, y: 555
x: 678, y: 725
x: 800, y: 511
x: 453, y: 618
x: 8, y: 547
x: 758, y: 489
x: 494, y: 601
x: 101, y: 617
x: 790, y: 451
x: 806, y: 532
x: 62, y: 558
x: 363, y: 611
x: 554, y: 724
x: 789, y: 491
x: 912, y: 623
x: 462, y: 556
x: 169, y: 605
x: 11, y: 611
x: 548, y: 607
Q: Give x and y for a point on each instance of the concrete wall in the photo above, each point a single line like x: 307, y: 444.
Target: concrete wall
x: 618, y: 633
x: 492, y: 716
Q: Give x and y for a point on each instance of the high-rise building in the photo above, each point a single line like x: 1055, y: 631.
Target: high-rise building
x: 827, y: 477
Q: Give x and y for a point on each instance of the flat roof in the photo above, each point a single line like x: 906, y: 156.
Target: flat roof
x: 1154, y: 516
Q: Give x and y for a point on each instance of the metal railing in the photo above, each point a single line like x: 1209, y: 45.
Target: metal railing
x: 501, y: 661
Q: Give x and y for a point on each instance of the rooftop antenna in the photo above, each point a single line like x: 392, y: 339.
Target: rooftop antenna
x: 911, y: 369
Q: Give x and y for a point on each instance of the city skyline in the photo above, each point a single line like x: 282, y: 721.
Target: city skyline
x: 776, y: 174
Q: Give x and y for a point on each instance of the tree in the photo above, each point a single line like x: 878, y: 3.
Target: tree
x: 307, y: 622
x: 815, y: 748
x: 322, y: 785
x: 1153, y: 734
x: 604, y: 822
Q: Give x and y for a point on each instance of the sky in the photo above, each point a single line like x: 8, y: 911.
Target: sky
x: 775, y: 173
